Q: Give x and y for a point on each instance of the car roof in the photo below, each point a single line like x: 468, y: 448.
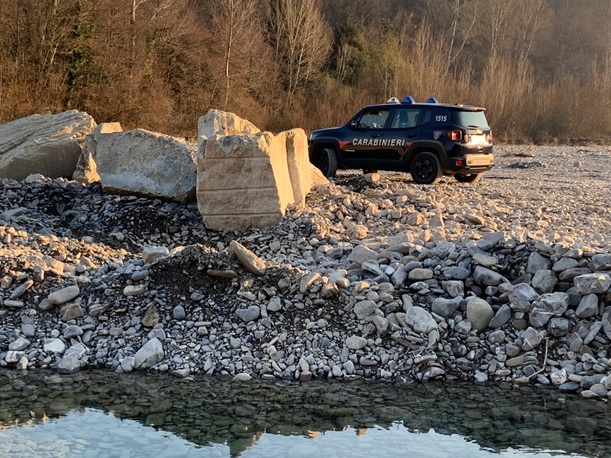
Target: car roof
x: 442, y: 105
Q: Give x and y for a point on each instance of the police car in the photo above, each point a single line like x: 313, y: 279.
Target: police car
x: 428, y: 140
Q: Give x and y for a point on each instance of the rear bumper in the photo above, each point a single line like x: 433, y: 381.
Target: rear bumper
x: 470, y: 163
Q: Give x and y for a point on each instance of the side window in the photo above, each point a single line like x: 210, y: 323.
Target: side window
x: 373, y: 119
x: 405, y: 118
x: 426, y: 117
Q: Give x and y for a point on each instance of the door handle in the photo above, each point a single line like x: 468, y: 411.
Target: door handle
x: 376, y: 135
x: 411, y: 135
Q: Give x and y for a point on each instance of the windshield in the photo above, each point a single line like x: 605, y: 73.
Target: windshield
x: 470, y: 118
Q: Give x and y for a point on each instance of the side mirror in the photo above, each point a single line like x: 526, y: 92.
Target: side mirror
x: 354, y: 125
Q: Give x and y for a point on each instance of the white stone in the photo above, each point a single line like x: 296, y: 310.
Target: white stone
x: 150, y: 254
x: 21, y: 343
x: 86, y: 169
x: 13, y: 356
x: 420, y: 320
x: 248, y: 178
x: 63, y: 295
x: 248, y: 259
x: 356, y: 342
x: 242, y: 377
x: 44, y: 144
x: 148, y: 164
x: 558, y: 377
x: 134, y: 290
x: 54, y: 346
x: 72, y: 362
x: 216, y: 122
x: 150, y: 354
x: 128, y: 364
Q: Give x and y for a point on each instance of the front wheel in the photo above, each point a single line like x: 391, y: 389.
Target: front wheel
x: 470, y: 178
x: 426, y: 168
x: 327, y: 162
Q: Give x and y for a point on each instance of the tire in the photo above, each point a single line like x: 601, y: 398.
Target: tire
x: 327, y: 162
x: 426, y: 168
x: 471, y: 178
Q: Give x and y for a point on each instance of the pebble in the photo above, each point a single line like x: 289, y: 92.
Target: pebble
x: 63, y: 295
x: 134, y: 290
x: 10, y: 303
x: 179, y: 312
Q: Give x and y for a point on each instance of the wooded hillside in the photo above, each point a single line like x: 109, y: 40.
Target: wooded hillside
x: 541, y: 67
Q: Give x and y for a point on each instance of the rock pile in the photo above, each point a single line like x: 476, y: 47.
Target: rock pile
x: 375, y: 277
x: 244, y: 177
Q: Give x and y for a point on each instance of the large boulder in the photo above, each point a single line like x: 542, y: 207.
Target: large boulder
x: 222, y: 123
x: 146, y: 163
x: 86, y: 169
x: 236, y: 186
x: 45, y: 144
x: 248, y: 179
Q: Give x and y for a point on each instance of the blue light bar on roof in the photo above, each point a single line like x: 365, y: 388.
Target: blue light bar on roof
x: 408, y: 99
x: 432, y: 100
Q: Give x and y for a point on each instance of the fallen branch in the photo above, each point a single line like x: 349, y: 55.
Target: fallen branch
x: 544, y: 359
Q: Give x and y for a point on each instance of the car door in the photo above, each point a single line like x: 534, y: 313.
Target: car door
x: 401, y: 136
x: 364, y: 142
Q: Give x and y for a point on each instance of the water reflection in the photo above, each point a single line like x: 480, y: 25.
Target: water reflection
x: 105, y: 414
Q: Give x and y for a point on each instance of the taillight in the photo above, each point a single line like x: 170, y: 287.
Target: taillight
x: 489, y: 137
x: 455, y: 135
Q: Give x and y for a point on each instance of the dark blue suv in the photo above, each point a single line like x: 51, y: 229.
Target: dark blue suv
x: 428, y: 140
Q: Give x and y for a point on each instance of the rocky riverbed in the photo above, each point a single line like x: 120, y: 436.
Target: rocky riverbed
x: 504, y: 281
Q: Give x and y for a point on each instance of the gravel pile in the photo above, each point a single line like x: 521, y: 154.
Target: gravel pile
x: 504, y: 281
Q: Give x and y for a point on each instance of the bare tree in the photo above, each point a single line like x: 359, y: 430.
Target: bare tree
x: 237, y: 24
x: 301, y: 40
x: 426, y: 63
x: 464, y: 15
x: 157, y: 10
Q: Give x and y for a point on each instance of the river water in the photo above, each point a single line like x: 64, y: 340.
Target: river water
x: 101, y: 414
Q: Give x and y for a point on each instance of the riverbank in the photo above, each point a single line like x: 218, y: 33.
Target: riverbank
x: 374, y: 278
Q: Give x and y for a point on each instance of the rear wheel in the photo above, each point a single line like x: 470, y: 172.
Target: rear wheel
x: 426, y: 168
x: 470, y: 178
x: 327, y: 162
